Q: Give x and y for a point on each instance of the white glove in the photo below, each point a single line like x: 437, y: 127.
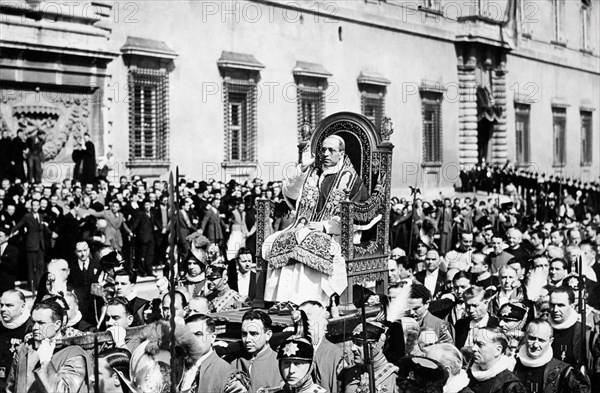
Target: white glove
x: 46, y: 350
x: 163, y: 285
x: 118, y: 334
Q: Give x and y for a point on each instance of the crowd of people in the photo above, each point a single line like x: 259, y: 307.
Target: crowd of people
x: 493, y: 293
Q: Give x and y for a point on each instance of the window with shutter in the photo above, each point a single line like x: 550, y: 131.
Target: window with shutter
x: 559, y: 122
x: 311, y: 105
x: 431, y: 108
x: 240, y: 120
x: 373, y: 106
x: 148, y: 125
x: 587, y: 146
x: 522, y: 133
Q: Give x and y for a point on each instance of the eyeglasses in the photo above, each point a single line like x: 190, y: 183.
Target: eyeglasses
x: 328, y: 149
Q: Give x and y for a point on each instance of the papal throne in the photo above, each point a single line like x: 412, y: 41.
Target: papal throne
x: 366, y: 254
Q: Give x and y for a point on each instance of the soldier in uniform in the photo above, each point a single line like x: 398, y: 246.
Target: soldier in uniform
x: 295, y: 356
x: 356, y: 378
x: 220, y: 296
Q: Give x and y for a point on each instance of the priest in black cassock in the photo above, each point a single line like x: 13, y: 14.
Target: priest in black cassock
x: 85, y: 161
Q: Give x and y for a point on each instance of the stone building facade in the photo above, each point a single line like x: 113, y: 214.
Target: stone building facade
x: 223, y: 89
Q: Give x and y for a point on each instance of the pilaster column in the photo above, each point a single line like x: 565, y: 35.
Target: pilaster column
x: 467, y: 116
x: 499, y: 137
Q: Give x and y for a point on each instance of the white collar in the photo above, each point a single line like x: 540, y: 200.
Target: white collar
x: 502, y: 364
x: 189, y: 376
x: 483, y: 323
x: 203, y: 358
x: 332, y: 169
x: 456, y: 383
x: 21, y: 319
x: 527, y: 361
x: 570, y: 321
x: 132, y: 295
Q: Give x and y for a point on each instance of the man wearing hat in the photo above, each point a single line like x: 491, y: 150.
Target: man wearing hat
x: 200, y: 199
x: 356, y: 378
x: 316, y: 190
x: 511, y: 316
x: 295, y: 356
x: 220, y: 296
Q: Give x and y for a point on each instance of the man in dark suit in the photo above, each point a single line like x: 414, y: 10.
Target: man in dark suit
x: 17, y: 149
x: 35, y: 157
x: 68, y: 231
x: 125, y: 282
x: 432, y: 277
x: 85, y: 161
x: 84, y: 271
x: 418, y: 308
x: 185, y: 227
x: 143, y: 229
x: 161, y: 218
x: 5, y: 153
x: 477, y: 317
x: 212, y: 225
x: 200, y: 200
x: 241, y: 277
x: 9, y: 260
x: 34, y: 242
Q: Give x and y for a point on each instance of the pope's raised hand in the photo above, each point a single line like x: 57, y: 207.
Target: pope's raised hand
x: 307, y: 158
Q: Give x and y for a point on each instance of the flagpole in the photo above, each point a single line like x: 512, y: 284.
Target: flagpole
x: 174, y: 204
x: 413, y: 192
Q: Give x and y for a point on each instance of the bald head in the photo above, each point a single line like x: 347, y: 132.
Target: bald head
x: 447, y: 355
x: 59, y: 268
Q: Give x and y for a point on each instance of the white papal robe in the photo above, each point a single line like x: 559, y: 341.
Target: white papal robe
x: 297, y: 282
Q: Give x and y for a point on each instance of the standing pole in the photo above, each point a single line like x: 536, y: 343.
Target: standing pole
x: 366, y: 349
x: 560, y: 194
x: 173, y: 203
x: 414, y: 191
x: 96, y: 368
x: 582, y: 312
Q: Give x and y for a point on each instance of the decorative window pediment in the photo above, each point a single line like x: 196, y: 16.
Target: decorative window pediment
x: 146, y: 47
x: 310, y: 70
x: 240, y: 61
